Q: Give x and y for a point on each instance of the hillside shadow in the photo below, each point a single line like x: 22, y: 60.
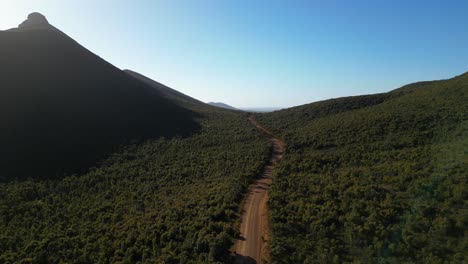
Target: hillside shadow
x: 49, y: 144
x: 62, y: 108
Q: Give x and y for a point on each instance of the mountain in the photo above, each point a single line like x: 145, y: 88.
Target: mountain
x: 62, y: 107
x: 373, y: 178
x: 365, y: 179
x: 35, y: 21
x: 223, y: 105
x: 167, y: 92
x: 171, y: 171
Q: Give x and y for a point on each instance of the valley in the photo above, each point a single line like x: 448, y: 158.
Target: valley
x: 103, y: 165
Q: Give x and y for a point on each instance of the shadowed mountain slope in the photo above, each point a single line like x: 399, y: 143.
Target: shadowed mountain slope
x: 167, y: 92
x: 166, y: 200
x: 62, y: 107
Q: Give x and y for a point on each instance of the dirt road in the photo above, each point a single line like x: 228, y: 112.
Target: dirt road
x: 254, y: 226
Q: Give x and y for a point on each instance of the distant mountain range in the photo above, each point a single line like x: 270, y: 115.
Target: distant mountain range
x: 261, y: 109
x: 223, y: 105
x: 250, y: 109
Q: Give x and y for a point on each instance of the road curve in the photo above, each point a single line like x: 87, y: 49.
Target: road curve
x: 254, y: 229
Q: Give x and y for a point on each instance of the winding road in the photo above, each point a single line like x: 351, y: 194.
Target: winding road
x: 249, y: 248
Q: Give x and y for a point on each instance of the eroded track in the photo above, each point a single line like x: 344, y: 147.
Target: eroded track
x: 249, y: 248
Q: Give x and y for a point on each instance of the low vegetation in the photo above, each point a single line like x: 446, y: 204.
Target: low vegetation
x: 99, y: 165
x: 373, y: 179
x: 164, y: 201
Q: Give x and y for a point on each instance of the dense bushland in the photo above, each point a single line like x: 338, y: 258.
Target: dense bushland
x: 373, y: 179
x: 171, y: 175
x: 164, y: 201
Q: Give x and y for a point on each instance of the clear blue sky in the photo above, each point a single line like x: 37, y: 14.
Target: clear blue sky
x: 266, y: 53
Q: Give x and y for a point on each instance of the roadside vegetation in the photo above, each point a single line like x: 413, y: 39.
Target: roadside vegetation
x: 373, y: 179
x: 163, y: 201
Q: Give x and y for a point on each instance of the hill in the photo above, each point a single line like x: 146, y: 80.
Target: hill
x: 168, y: 92
x: 173, y: 196
x: 223, y: 105
x: 163, y: 201
x: 62, y: 107
x: 377, y: 178
x: 366, y: 179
